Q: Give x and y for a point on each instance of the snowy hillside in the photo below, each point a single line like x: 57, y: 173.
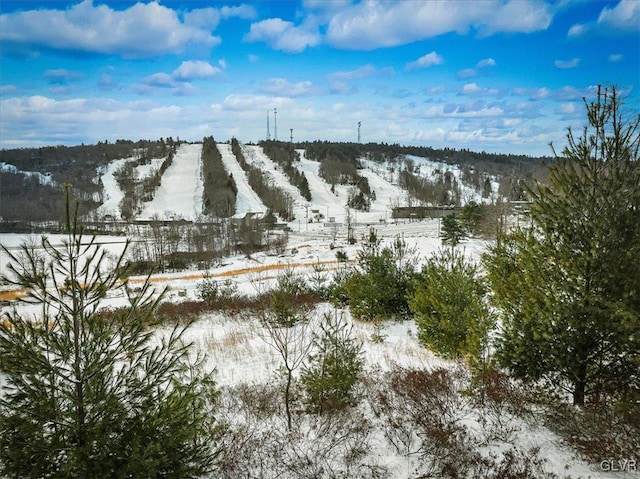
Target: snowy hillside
x: 181, y: 189
x: 247, y: 201
x: 180, y: 192
x: 42, y: 178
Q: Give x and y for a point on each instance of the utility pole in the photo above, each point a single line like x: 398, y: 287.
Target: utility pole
x: 275, y: 124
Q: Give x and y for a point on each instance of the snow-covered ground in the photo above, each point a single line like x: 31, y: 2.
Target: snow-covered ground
x: 233, y: 346
x: 247, y: 200
x: 427, y: 168
x: 42, y: 178
x: 332, y: 205
x: 181, y: 189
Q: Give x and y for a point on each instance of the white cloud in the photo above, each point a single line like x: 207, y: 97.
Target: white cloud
x: 190, y: 70
x: 467, y: 73
x: 7, y: 89
x: 425, y: 61
x: 140, y: 31
x: 282, y: 87
x: 566, y: 64
x: 615, y: 57
x: 567, y: 109
x: 161, y: 80
x: 38, y: 120
x: 625, y: 16
x: 283, y: 35
x: 245, y: 12
x: 202, y: 18
x: 362, y: 72
x: 622, y: 18
x: 577, y: 30
x: 374, y: 24
x: 474, y: 89
x: 481, y: 66
x: 533, y: 93
x: 487, y: 62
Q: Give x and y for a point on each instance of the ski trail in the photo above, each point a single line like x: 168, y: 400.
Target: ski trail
x: 180, y: 193
x: 247, y: 200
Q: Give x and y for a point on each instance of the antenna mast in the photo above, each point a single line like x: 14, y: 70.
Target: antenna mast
x: 268, y: 131
x: 275, y: 124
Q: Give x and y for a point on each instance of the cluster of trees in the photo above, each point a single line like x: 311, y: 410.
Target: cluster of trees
x: 568, y: 287
x: 565, y: 286
x: 442, y: 190
x: 220, y: 188
x: 518, y: 166
x: 284, y: 155
x: 273, y: 197
x: 336, y: 172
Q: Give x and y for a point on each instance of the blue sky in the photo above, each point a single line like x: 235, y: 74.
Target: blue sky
x: 495, y: 75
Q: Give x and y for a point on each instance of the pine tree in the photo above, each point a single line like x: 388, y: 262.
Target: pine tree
x: 334, y: 368
x: 453, y: 230
x: 449, y: 308
x: 569, y: 289
x: 89, y: 393
x: 378, y: 287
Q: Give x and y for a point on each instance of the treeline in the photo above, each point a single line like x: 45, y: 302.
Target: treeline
x: 274, y: 198
x: 284, y: 155
x: 220, y: 188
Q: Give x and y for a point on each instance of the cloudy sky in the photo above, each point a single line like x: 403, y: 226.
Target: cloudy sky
x: 494, y: 75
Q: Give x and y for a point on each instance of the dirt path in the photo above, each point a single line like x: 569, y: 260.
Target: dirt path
x: 13, y: 294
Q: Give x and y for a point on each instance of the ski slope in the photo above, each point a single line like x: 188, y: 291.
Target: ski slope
x: 112, y: 194
x: 256, y: 156
x: 247, y: 200
x: 180, y: 193
x: 329, y: 204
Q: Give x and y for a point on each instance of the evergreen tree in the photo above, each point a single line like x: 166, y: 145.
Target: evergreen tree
x: 94, y: 394
x: 449, y: 308
x: 378, y: 288
x: 471, y: 216
x: 334, y: 368
x: 569, y: 289
x: 453, y: 230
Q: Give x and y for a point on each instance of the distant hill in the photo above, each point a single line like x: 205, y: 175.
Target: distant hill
x: 366, y: 177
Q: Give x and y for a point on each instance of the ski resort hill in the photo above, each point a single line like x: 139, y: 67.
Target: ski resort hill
x: 180, y: 194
